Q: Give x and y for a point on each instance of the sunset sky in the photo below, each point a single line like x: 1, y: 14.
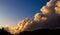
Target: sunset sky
x: 13, y: 11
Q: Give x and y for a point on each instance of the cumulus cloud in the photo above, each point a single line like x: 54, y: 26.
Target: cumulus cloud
x: 20, y: 27
x: 57, y: 8
x: 49, y: 18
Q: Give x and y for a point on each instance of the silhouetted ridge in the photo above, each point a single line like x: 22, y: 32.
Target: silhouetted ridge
x: 4, y: 32
x: 39, y: 32
x: 36, y: 32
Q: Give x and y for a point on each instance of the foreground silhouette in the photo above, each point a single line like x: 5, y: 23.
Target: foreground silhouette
x: 36, y: 32
x: 3, y: 32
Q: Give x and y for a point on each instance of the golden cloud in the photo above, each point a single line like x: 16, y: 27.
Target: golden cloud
x: 40, y: 20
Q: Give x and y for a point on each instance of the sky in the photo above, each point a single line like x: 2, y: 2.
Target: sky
x: 13, y: 11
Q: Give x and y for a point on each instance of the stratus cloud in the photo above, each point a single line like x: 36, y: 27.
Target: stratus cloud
x: 49, y: 18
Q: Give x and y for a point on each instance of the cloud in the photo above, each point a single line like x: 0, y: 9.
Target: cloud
x: 49, y: 18
x: 57, y: 8
x: 37, y: 17
x: 19, y: 28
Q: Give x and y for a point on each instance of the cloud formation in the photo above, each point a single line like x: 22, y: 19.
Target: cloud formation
x: 49, y: 18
